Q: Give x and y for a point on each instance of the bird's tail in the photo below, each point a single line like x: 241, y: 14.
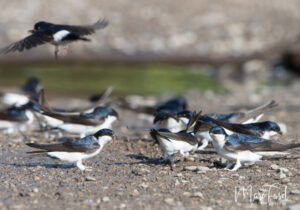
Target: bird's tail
x: 259, y: 111
x: 84, y: 39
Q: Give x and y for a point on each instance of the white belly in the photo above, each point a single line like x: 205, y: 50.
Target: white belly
x: 10, y: 99
x: 204, y: 135
x: 242, y: 156
x: 72, y: 156
x: 172, y: 125
x: 171, y: 147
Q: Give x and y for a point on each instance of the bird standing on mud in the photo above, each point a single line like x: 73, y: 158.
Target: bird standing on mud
x: 57, y: 35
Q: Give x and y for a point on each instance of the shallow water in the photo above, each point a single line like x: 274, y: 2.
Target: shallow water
x: 80, y: 78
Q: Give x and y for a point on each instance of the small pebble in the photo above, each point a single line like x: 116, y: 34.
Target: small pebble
x: 190, y: 168
x: 135, y: 193
x: 105, y: 199
x: 169, y: 201
x: 274, y: 167
x: 295, y: 192
x: 197, y: 195
x: 285, y: 181
x: 89, y: 178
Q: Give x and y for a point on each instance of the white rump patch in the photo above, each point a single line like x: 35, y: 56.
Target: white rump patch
x: 58, y: 36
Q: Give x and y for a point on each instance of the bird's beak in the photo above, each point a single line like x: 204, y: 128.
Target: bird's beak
x: 280, y: 133
x: 31, y: 31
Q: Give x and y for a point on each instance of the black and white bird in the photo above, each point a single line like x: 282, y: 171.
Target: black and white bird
x: 28, y: 91
x: 76, y: 150
x: 55, y: 34
x: 241, y: 148
x: 174, y: 122
x: 250, y: 116
x: 15, y: 118
x: 265, y: 129
x: 82, y: 123
x: 247, y: 117
x: 172, y: 143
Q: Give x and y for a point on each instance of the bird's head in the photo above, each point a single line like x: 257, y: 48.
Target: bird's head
x: 185, y: 114
x: 104, y: 135
x: 40, y: 26
x: 218, y: 134
x: 273, y: 128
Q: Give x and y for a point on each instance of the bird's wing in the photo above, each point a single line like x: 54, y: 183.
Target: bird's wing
x: 83, y: 145
x: 13, y: 115
x: 253, y: 113
x: 246, y: 142
x: 35, y: 39
x: 82, y: 30
x: 76, y: 118
x: 238, y: 128
x: 181, y: 136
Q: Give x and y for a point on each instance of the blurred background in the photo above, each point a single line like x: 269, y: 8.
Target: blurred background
x: 157, y: 47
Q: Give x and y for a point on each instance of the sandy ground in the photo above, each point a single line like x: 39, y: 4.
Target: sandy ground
x: 124, y: 177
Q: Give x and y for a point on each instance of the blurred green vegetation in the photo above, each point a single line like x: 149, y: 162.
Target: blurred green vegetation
x: 81, y: 78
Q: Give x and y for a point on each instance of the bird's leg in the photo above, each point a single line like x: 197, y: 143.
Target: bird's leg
x: 237, y: 165
x: 228, y: 165
x: 172, y: 165
x: 56, y: 52
x: 65, y: 50
x: 81, y: 166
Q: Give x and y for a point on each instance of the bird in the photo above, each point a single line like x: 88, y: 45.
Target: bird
x: 83, y: 123
x: 55, y: 34
x: 242, y: 148
x: 76, y: 150
x: 174, y: 122
x: 250, y: 116
x: 265, y: 129
x: 172, y: 143
x: 15, y: 118
x: 29, y: 91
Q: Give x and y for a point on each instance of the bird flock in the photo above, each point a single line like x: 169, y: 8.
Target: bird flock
x: 239, y: 137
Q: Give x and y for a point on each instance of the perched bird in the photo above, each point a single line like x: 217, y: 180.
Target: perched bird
x: 241, y: 148
x: 172, y: 143
x: 76, y: 150
x: 265, y: 130
x: 28, y: 91
x: 83, y: 123
x: 15, y: 118
x: 55, y: 34
x: 205, y: 122
x: 174, y: 122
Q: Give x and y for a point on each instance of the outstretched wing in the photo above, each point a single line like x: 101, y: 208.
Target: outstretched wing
x: 85, y: 29
x: 37, y: 38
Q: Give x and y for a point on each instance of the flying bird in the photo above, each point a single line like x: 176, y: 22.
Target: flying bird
x: 55, y: 34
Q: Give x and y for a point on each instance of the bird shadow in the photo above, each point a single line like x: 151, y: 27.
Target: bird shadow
x: 34, y: 165
x: 143, y: 160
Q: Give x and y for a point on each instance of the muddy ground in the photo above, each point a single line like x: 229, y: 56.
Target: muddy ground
x: 124, y: 176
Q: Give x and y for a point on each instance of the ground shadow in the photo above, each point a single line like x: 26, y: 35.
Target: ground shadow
x: 34, y: 165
